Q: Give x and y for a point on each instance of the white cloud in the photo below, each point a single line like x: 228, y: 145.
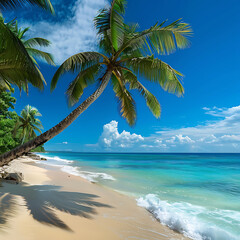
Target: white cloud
x: 65, y: 143
x: 111, y: 138
x: 75, y: 35
x: 221, y: 112
x: 221, y: 135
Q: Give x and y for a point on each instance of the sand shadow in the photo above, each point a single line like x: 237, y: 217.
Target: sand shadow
x: 41, y: 200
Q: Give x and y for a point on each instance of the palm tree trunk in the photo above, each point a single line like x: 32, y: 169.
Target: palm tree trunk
x: 46, y: 136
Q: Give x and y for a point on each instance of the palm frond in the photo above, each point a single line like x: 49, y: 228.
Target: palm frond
x: 163, y: 40
x: 22, y: 32
x: 110, y: 20
x: 127, y: 104
x: 117, y: 23
x: 37, y: 129
x: 83, y: 79
x: 158, y: 71
x: 37, y: 42
x: 12, y: 4
x: 16, y: 66
x: 40, y: 54
x: 105, y: 44
x: 75, y: 63
x: 151, y: 100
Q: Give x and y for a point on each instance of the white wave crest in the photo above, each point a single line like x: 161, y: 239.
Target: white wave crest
x: 90, y: 176
x: 184, y: 218
x: 55, y: 158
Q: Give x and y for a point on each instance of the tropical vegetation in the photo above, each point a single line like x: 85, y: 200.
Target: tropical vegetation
x: 125, y: 54
x: 14, y: 129
x: 18, y: 72
x: 28, y: 123
x: 16, y: 66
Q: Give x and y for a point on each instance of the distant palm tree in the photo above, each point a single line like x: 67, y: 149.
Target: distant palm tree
x: 121, y: 59
x: 28, y: 123
x: 21, y: 73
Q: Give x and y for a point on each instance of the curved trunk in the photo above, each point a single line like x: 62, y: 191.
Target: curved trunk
x: 46, y: 136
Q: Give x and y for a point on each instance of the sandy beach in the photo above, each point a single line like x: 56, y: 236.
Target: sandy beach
x: 50, y: 204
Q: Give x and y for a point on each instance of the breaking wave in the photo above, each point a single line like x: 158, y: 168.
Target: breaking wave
x: 189, y: 219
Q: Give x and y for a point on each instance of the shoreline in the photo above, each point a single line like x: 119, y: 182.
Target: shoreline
x: 51, y: 203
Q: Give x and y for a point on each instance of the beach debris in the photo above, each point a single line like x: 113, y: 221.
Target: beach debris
x: 16, y: 177
x: 3, y: 171
x: 33, y: 156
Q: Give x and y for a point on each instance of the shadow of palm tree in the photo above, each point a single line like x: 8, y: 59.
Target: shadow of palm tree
x: 41, y: 200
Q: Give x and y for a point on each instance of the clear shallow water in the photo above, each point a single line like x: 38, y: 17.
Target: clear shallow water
x: 196, y: 194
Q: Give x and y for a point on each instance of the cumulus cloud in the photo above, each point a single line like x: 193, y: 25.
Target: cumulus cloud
x: 111, y: 138
x: 220, y: 135
x: 72, y: 36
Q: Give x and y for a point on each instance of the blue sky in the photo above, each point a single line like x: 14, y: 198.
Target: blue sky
x: 206, y: 119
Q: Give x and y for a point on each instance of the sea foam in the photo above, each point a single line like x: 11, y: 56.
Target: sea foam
x: 184, y: 218
x: 55, y: 158
x: 74, y: 170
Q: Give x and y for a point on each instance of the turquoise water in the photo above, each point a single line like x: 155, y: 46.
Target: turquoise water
x: 195, y: 194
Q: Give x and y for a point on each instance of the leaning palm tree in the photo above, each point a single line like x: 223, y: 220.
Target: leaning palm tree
x: 28, y: 124
x: 18, y: 65
x: 125, y: 54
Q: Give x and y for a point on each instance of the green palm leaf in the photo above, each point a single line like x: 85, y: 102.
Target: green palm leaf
x: 75, y: 63
x: 111, y: 20
x: 83, y: 80
x: 127, y: 104
x: 158, y: 71
x: 151, y: 100
x: 17, y: 66
x: 12, y: 4
x: 40, y: 54
x: 164, y: 40
x: 37, y: 42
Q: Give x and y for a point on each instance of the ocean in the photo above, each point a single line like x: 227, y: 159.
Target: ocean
x: 195, y: 194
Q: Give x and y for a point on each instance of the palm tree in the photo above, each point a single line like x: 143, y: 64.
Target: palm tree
x: 121, y: 59
x: 31, y: 43
x: 18, y: 66
x: 28, y: 123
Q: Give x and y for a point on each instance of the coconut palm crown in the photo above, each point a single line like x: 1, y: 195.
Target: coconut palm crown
x: 28, y: 123
x: 128, y: 54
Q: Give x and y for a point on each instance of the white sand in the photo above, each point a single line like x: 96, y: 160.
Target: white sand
x: 50, y: 204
